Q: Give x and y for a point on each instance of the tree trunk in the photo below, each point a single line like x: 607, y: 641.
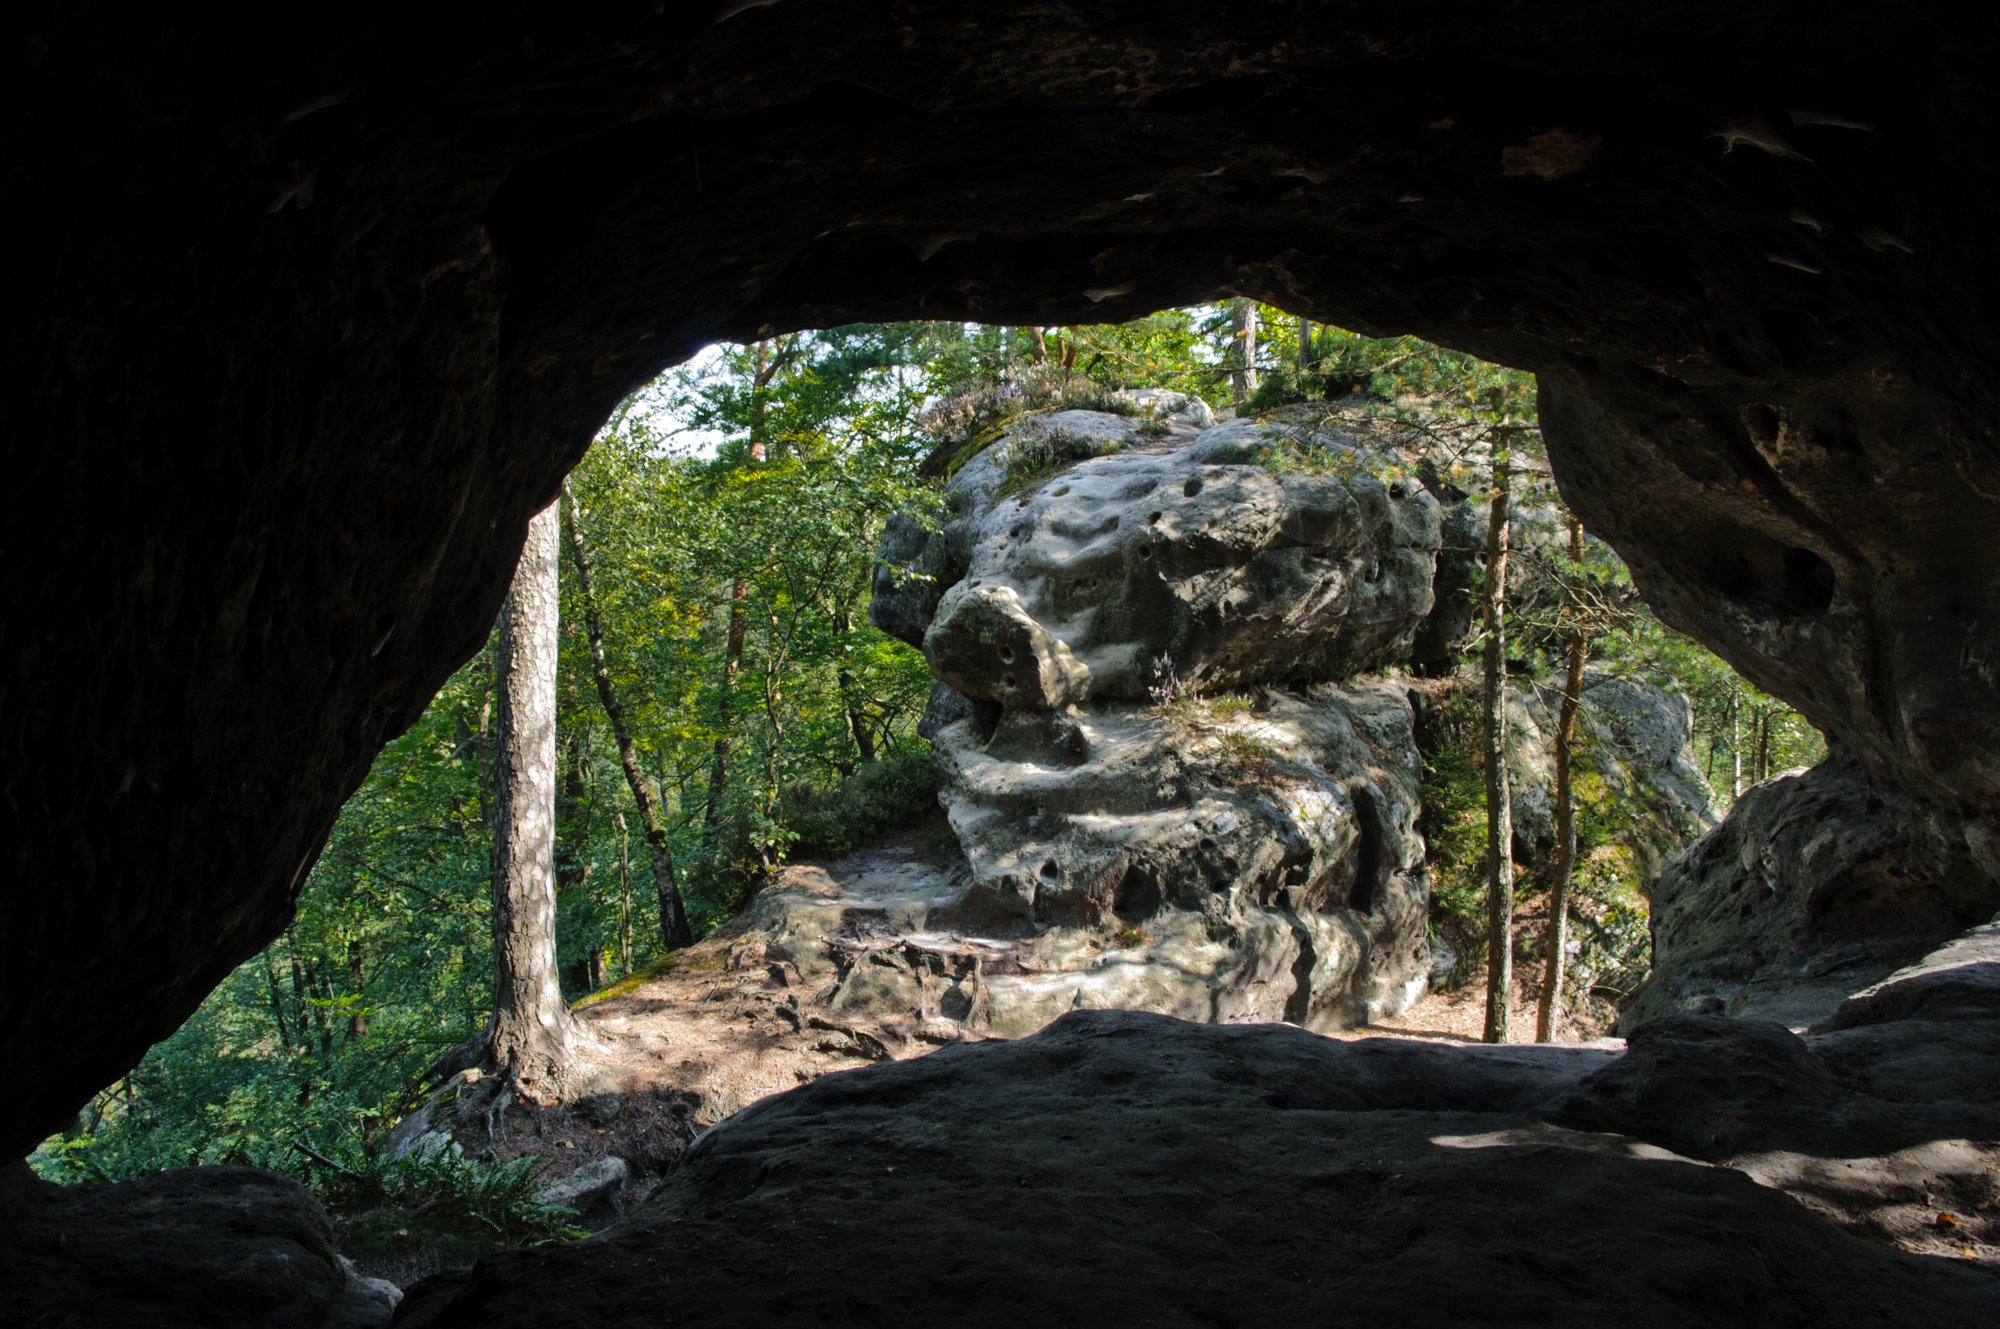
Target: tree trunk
x: 1572, y: 700
x: 357, y: 1023
x: 1243, y: 375
x: 532, y: 1032
x: 674, y: 929
x: 1305, y: 348
x: 850, y: 697
x: 732, y: 649
x: 277, y: 1000
x: 1499, y: 811
x: 624, y: 900
x: 1038, y: 347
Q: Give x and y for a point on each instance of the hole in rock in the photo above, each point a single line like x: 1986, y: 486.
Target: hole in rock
x: 1145, y: 551
x: 1006, y: 680
x: 1137, y: 897
x: 1153, y: 518
x: 1050, y: 872
x: 1006, y: 655
x: 1192, y: 487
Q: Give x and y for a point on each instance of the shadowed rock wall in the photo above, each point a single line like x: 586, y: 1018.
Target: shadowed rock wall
x: 305, y: 321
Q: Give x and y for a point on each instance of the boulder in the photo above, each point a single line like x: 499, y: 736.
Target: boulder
x: 183, y: 1249
x: 1819, y: 884
x: 1128, y: 1169
x: 1221, y: 857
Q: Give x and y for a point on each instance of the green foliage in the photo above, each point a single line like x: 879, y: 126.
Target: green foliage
x: 502, y: 1196
x: 1033, y: 458
x: 1452, y: 818
x: 877, y: 798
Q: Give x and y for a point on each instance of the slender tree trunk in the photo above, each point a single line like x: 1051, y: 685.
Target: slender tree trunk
x: 277, y: 1001
x: 1736, y: 744
x: 850, y: 697
x: 1038, y: 347
x: 1499, y: 811
x: 732, y: 649
x: 533, y: 1032
x: 624, y: 900
x: 1243, y: 377
x: 674, y: 929
x: 1763, y: 766
x: 357, y: 1023
x: 1572, y: 701
x: 1305, y: 347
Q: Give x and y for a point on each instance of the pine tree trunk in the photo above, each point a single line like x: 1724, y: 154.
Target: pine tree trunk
x: 674, y: 929
x: 532, y: 1032
x: 1243, y: 376
x: 1572, y: 701
x: 1499, y: 811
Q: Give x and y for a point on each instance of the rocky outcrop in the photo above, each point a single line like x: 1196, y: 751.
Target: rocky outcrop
x: 1632, y: 759
x: 335, y: 309
x: 1136, y: 739
x: 1120, y: 1168
x: 183, y: 1249
x: 1818, y: 884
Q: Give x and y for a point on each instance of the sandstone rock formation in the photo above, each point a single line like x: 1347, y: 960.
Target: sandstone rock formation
x: 1251, y: 854
x: 1120, y: 1168
x: 1818, y: 884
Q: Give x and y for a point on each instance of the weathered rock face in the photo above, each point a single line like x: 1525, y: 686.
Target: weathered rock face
x: 1257, y: 857
x: 1817, y: 885
x: 1198, y: 554
x: 177, y: 1250
x: 334, y: 308
x: 1120, y: 1168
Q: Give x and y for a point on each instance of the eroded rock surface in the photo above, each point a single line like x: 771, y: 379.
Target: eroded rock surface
x: 1817, y: 885
x: 1136, y: 740
x: 1130, y: 1169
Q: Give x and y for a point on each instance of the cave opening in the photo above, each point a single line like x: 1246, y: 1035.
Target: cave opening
x: 305, y: 329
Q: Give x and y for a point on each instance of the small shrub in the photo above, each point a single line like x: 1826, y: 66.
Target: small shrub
x: 968, y: 421
x: 1130, y: 936
x: 1033, y: 458
x: 878, y: 797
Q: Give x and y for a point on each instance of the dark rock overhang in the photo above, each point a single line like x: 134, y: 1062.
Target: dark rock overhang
x: 306, y: 323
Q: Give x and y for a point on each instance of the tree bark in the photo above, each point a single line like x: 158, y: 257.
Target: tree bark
x: 1243, y: 375
x: 532, y: 1033
x: 1305, y: 348
x: 1038, y: 347
x: 1572, y: 701
x: 674, y: 929
x: 1499, y: 811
